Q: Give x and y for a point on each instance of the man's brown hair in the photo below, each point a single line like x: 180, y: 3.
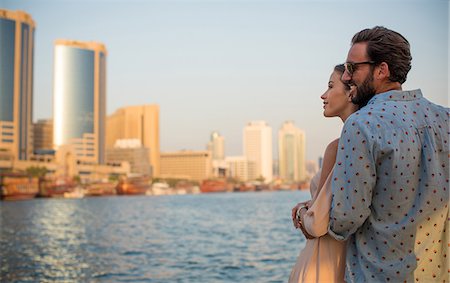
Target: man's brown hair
x: 385, y: 45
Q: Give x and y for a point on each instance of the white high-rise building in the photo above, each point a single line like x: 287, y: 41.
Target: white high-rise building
x: 217, y: 146
x: 291, y: 152
x: 258, y: 148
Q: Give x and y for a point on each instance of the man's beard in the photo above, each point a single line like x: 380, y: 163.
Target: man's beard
x: 364, y: 92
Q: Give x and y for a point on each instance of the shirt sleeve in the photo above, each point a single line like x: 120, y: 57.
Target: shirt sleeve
x: 353, y: 180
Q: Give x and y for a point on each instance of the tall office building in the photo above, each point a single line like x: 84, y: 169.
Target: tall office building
x: 258, y: 148
x: 79, y: 99
x: 216, y: 145
x: 291, y: 152
x: 43, y: 135
x: 137, y: 122
x: 17, y: 30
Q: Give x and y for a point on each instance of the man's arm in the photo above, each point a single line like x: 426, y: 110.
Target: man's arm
x: 354, y: 178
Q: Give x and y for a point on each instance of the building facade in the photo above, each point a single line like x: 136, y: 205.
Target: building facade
x: 79, y: 99
x: 258, y: 148
x: 190, y: 165
x: 137, y: 122
x: 131, y: 151
x: 238, y: 167
x: 17, y: 31
x: 43, y: 136
x: 291, y: 153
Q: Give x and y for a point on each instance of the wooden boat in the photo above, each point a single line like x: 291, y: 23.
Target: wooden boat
x: 17, y: 186
x: 213, y: 186
x: 100, y: 189
x: 133, y: 185
x: 55, y: 188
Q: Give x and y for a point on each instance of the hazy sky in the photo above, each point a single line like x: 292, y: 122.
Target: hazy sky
x: 218, y: 64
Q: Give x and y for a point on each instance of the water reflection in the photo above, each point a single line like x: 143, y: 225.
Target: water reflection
x: 204, y: 238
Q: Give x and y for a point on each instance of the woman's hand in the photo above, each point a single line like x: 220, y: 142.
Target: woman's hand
x: 294, y: 212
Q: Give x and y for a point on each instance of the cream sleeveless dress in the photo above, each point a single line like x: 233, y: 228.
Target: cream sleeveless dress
x: 323, y: 258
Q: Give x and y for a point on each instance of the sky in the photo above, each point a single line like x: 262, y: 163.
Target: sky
x: 215, y: 65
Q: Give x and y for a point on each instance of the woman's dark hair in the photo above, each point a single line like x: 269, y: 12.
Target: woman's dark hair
x: 341, y: 69
x: 385, y: 45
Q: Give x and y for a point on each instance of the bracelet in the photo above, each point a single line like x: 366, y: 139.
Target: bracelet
x: 298, y: 212
x: 299, y: 219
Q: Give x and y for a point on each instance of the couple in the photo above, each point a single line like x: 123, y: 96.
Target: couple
x: 379, y: 209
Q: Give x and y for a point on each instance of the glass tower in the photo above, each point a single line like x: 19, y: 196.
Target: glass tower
x: 291, y: 152
x: 79, y: 98
x: 16, y: 83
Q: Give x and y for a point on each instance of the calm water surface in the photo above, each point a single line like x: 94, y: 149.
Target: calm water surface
x: 229, y: 237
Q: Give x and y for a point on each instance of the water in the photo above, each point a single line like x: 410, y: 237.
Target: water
x: 229, y: 237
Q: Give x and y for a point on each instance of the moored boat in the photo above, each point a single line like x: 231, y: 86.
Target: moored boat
x: 133, y: 185
x: 55, y: 188
x: 213, y: 186
x: 78, y: 192
x: 17, y: 186
x: 100, y: 189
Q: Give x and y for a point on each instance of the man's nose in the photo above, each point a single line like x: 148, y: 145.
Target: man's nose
x: 346, y: 76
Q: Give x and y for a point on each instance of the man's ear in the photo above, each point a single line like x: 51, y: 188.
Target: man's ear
x: 382, y: 71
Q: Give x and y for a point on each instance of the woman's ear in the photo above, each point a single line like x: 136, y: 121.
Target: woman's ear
x: 351, y: 93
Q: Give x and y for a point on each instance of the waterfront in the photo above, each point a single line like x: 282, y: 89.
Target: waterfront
x: 224, y: 237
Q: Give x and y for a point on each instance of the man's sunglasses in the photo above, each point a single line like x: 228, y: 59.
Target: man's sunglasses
x: 351, y: 67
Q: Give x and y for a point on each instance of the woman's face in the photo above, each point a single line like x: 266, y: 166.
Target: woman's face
x: 336, y: 99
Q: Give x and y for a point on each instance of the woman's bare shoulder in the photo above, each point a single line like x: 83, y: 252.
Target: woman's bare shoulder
x: 332, y: 148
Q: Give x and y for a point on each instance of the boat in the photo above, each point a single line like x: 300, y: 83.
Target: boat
x: 160, y: 189
x: 78, y: 192
x: 138, y: 185
x: 55, y: 188
x: 100, y: 189
x: 18, y: 186
x: 213, y: 186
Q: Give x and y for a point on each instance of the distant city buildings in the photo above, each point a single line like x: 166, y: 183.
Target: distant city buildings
x: 137, y: 122
x: 16, y: 83
x: 131, y: 151
x: 190, y: 165
x: 291, y: 153
x: 80, y: 140
x: 216, y: 145
x: 311, y: 168
x: 240, y: 168
x: 79, y: 99
x: 43, y: 136
x: 258, y: 148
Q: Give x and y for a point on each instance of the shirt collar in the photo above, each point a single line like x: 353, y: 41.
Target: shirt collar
x: 396, y: 95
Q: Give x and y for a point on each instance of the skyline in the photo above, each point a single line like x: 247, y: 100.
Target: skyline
x: 217, y: 65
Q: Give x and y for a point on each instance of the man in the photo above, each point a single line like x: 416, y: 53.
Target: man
x: 391, y: 177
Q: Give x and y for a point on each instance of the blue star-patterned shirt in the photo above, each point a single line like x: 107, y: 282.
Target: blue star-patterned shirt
x: 391, y: 190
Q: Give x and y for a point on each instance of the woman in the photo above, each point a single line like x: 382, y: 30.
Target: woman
x: 323, y: 258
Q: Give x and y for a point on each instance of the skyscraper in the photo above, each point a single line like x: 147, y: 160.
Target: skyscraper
x: 137, y: 122
x: 217, y: 146
x: 16, y: 83
x: 258, y: 148
x: 291, y: 152
x: 79, y: 98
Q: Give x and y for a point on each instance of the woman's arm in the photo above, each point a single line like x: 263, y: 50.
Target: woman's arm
x: 329, y: 158
x: 315, y: 219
